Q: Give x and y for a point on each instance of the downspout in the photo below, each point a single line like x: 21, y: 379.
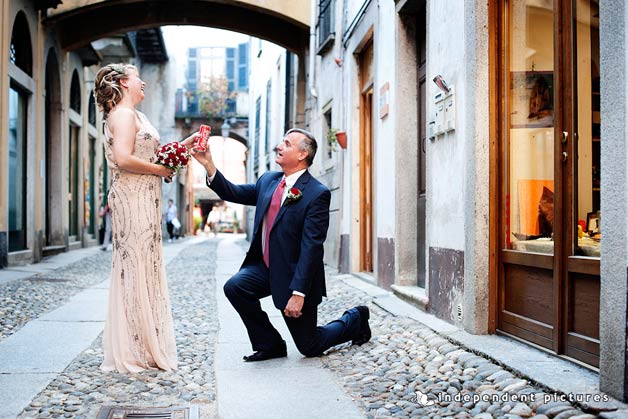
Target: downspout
x: 311, y: 83
x: 340, y: 54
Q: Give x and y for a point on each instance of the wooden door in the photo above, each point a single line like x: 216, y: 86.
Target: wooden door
x: 366, y: 158
x: 548, y: 276
x: 581, y: 142
x: 366, y: 182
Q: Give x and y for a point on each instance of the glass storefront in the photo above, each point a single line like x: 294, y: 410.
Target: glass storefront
x: 549, y: 150
x: 529, y: 134
x: 17, y: 169
x: 530, y: 129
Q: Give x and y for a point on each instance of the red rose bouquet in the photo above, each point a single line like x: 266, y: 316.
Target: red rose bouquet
x: 173, y: 155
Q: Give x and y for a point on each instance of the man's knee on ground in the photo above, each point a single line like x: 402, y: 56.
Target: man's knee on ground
x: 309, y: 350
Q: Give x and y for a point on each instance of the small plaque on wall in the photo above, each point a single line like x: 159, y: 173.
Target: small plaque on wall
x: 384, y: 100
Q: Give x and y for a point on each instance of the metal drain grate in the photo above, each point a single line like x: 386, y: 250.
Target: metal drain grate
x: 125, y: 412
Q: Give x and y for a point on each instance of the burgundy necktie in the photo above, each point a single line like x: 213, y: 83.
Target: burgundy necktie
x: 273, y: 210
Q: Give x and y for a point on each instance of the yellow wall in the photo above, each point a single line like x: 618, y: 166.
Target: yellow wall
x: 297, y: 10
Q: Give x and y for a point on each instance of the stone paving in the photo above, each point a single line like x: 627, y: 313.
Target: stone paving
x: 26, y: 299
x: 408, y: 371
x: 83, y: 388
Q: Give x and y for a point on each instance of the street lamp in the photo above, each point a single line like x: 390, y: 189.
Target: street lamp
x: 225, y: 128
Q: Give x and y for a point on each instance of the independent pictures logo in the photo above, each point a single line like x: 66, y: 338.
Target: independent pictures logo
x: 425, y: 400
x: 422, y: 399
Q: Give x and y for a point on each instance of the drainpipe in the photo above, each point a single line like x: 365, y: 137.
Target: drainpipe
x: 311, y: 87
x: 340, y: 51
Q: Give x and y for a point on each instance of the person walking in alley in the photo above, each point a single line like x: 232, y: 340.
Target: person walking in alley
x: 105, y: 213
x: 285, y: 258
x: 139, y: 332
x: 171, y: 214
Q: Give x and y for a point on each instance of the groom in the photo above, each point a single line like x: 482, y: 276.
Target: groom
x: 285, y: 259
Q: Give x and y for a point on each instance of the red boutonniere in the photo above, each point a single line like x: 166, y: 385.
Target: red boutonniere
x: 294, y: 194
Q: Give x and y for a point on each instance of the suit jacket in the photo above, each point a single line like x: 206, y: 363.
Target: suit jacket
x: 296, y: 238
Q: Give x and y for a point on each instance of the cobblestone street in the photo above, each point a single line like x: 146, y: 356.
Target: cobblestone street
x: 83, y: 388
x: 406, y: 371
x: 405, y: 357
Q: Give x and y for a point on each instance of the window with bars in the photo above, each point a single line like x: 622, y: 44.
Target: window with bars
x: 325, y: 20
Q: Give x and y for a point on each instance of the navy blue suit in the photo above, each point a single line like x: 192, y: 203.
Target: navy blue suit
x: 295, y: 264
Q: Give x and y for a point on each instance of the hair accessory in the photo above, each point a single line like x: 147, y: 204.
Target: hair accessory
x: 118, y: 68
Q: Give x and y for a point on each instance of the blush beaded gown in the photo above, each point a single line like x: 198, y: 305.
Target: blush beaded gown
x: 139, y: 332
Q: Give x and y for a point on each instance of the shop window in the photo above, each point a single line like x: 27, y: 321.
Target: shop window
x: 529, y: 147
x: 20, y: 52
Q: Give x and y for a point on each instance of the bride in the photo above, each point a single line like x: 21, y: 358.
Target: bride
x: 139, y: 332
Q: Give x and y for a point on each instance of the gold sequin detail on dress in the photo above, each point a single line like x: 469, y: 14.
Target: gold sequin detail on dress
x: 139, y: 332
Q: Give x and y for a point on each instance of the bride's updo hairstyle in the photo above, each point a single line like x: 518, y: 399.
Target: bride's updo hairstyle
x: 108, y: 90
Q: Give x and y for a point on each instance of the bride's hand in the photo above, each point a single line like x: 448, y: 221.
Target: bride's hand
x: 164, y: 172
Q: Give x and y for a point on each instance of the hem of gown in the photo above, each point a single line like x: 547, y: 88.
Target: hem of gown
x: 136, y: 369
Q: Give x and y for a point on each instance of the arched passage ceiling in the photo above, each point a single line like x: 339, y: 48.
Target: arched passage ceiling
x: 284, y: 22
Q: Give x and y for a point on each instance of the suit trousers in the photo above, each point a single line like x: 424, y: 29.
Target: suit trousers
x: 251, y: 283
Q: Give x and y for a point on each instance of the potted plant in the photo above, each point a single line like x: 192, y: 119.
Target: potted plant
x: 341, y: 137
x: 335, y: 136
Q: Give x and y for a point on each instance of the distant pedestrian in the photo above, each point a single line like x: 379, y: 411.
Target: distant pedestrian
x: 171, y: 215
x: 105, y: 213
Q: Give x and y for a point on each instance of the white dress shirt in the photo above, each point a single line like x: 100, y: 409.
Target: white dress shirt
x: 290, y: 181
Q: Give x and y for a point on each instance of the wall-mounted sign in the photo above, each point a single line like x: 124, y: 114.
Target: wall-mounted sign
x: 384, y: 100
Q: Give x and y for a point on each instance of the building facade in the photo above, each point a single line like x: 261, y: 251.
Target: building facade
x: 485, y: 144
x: 56, y: 178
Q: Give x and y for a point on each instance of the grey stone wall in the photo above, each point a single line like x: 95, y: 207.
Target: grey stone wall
x: 614, y: 198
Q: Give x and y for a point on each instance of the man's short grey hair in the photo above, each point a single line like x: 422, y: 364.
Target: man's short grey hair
x: 308, y: 144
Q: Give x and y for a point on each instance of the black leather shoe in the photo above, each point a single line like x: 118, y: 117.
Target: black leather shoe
x: 364, y: 335
x: 279, y: 352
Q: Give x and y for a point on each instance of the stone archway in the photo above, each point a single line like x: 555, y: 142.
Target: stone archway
x: 77, y: 22
x: 55, y: 235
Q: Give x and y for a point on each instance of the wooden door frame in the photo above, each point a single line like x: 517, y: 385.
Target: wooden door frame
x: 366, y: 86
x: 495, y: 60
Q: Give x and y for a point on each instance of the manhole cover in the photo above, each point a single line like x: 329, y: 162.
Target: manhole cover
x: 123, y: 412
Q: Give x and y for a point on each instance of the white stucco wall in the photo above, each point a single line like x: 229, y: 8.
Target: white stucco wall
x: 384, y: 140
x: 446, y: 155
x: 269, y: 65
